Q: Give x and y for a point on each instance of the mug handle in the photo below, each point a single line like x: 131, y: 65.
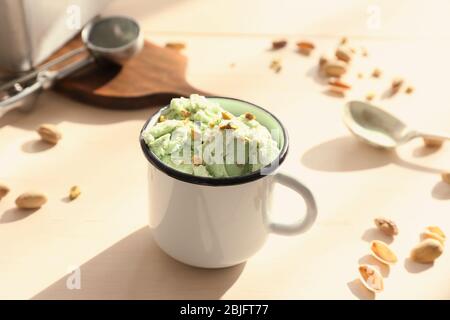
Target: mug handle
x: 301, y: 225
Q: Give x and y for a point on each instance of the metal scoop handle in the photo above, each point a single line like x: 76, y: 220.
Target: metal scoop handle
x: 44, y: 79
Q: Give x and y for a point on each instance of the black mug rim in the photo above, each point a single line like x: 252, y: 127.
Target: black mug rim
x: 208, y: 181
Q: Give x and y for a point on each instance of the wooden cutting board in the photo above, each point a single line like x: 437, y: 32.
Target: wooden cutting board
x: 153, y: 77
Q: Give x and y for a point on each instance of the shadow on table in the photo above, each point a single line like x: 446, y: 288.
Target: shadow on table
x: 375, y: 234
x: 359, y: 291
x: 135, y: 268
x: 441, y: 191
x: 424, y: 151
x: 54, y: 108
x: 15, y: 214
x: 415, y: 267
x: 345, y: 154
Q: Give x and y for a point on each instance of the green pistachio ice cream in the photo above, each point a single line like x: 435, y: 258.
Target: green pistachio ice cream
x: 197, y: 136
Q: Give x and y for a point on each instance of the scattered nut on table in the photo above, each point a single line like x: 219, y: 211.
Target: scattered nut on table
x: 49, y: 133
x: 445, y: 177
x: 382, y: 252
x: 386, y: 226
x: 409, y: 90
x: 431, y: 235
x: 396, y: 85
x: 432, y: 143
x: 31, y: 200
x: 275, y: 65
x: 305, y: 47
x: 323, y: 61
x: 178, y: 46
x: 4, y: 190
x: 335, y: 68
x: 338, y: 87
x: 364, y: 52
x: 278, y: 44
x: 427, y: 251
x: 370, y: 96
x: 344, y: 53
x: 436, y: 230
x: 343, y: 41
x: 376, y: 73
x: 371, y: 278
x: 74, y: 192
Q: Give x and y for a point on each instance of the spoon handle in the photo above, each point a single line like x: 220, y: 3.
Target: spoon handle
x: 433, y: 136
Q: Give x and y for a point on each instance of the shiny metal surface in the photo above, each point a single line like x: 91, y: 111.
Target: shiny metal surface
x: 32, y: 30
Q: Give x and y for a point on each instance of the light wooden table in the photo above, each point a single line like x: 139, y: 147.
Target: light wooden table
x: 104, y: 232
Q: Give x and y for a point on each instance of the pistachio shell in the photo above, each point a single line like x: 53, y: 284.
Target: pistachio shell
x: 432, y: 235
x: 74, y: 192
x: 436, y: 230
x: 344, y: 53
x: 386, y: 226
x: 4, y: 190
x: 31, y: 200
x: 49, y: 133
x: 371, y: 278
x: 427, y: 251
x: 382, y: 252
x: 335, y: 68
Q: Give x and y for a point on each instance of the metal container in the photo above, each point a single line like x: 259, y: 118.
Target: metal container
x: 31, y: 30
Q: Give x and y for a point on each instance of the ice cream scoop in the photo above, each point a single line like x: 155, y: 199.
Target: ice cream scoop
x: 114, y: 39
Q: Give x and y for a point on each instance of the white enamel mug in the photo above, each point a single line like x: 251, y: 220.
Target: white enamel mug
x: 215, y: 223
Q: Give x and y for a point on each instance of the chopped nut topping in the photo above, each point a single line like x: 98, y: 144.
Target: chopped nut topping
x: 228, y: 126
x: 185, y: 113
x: 226, y: 116
x: 195, y: 135
x: 249, y: 116
x: 197, y: 160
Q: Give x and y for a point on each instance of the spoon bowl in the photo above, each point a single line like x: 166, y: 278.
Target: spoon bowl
x: 376, y: 126
x: 115, y: 38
